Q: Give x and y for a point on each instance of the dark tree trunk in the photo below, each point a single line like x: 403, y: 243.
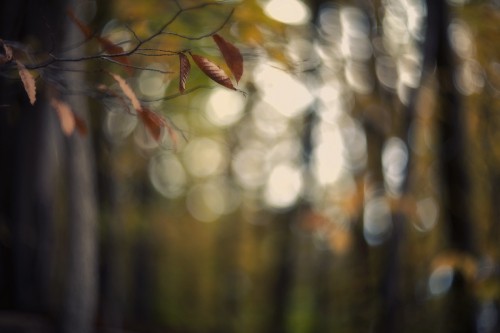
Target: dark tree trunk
x: 285, y: 262
x: 30, y: 145
x: 453, y: 169
x: 28, y: 149
x: 80, y: 297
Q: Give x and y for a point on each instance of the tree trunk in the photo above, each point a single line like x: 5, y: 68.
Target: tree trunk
x: 80, y: 296
x: 28, y: 149
x: 453, y: 171
x: 30, y: 145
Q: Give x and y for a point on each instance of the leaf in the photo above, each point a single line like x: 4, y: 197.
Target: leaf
x: 28, y: 82
x: 112, y: 49
x: 105, y: 43
x: 80, y: 125
x: 184, y: 68
x: 213, y: 71
x: 127, y: 91
x: 66, y: 116
x: 153, y: 122
x: 87, y: 32
x: 231, y: 55
x: 7, y: 56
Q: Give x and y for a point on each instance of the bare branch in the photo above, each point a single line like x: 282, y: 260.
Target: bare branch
x: 186, y: 92
x: 137, y: 67
x: 213, y: 32
x: 140, y: 42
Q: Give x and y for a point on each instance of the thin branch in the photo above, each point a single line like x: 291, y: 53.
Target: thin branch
x: 137, y: 67
x: 53, y: 58
x: 133, y: 34
x: 186, y: 92
x: 216, y: 30
x: 160, y: 52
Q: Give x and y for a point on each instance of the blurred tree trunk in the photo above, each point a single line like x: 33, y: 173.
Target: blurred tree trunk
x: 80, y: 297
x: 112, y: 263
x: 28, y: 153
x: 454, y: 181
x: 452, y: 148
x: 229, y: 293
x: 284, y: 269
x: 29, y: 148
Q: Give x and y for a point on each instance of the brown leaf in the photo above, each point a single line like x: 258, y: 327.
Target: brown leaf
x: 87, y: 32
x: 184, y: 68
x: 28, y: 81
x: 231, y: 55
x: 153, y: 122
x: 112, y: 49
x: 7, y: 56
x: 127, y: 91
x: 66, y: 116
x: 105, y: 43
x: 213, y: 71
x: 80, y: 125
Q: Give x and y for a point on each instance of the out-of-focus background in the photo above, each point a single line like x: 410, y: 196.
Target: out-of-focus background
x: 353, y: 187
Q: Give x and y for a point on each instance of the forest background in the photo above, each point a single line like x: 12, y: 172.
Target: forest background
x: 349, y: 182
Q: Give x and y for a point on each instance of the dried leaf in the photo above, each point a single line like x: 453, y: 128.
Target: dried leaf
x: 184, y: 68
x: 112, y: 49
x: 213, y: 71
x: 127, y: 91
x: 153, y: 122
x: 105, y: 43
x: 231, y: 55
x: 80, y: 125
x: 66, y: 116
x: 7, y: 55
x: 87, y: 32
x: 28, y: 82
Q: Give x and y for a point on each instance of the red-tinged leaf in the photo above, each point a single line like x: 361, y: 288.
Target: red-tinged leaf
x: 108, y: 46
x: 184, y: 68
x: 232, y: 56
x: 28, y: 81
x: 213, y: 71
x: 127, y: 91
x: 65, y: 114
x: 87, y: 32
x: 7, y: 55
x: 80, y: 125
x: 111, y: 49
x: 153, y: 122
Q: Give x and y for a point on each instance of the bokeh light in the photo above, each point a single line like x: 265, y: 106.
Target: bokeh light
x: 394, y: 160
x: 293, y: 12
x: 377, y: 224
x: 152, y: 84
x: 440, y: 280
x: 167, y: 174
x: 281, y: 90
x: 204, y: 157
x: 224, y: 107
x: 284, y: 186
x: 119, y: 124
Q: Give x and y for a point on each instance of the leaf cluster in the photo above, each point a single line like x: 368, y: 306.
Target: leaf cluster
x: 116, y: 54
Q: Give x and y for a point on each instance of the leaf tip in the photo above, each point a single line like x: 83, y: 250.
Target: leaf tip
x: 28, y: 81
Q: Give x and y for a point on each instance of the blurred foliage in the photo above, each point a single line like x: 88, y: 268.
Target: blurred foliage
x: 223, y: 274
x: 194, y: 236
